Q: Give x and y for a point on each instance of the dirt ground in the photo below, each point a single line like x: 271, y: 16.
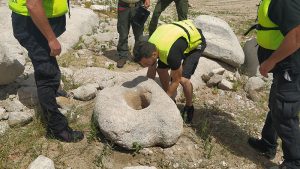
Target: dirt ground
x: 217, y: 139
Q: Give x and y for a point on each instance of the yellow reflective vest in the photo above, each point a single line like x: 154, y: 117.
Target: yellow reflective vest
x: 268, y: 33
x: 53, y: 8
x: 166, y: 35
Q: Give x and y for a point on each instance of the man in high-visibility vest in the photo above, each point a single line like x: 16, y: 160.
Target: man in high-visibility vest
x: 168, y: 46
x: 278, y: 37
x: 36, y: 25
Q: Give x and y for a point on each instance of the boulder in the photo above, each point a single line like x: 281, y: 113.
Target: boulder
x: 138, y: 112
x: 254, y: 83
x: 222, y: 43
x: 42, y: 162
x: 251, y: 59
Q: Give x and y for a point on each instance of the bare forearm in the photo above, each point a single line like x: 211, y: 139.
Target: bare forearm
x: 38, y: 15
x: 290, y: 44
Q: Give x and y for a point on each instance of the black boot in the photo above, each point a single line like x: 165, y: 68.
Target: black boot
x: 262, y: 147
x: 187, y: 114
x: 67, y: 135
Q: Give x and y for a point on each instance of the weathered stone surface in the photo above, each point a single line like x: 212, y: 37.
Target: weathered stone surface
x: 19, y: 118
x: 28, y: 96
x: 12, y: 55
x: 3, y: 127
x: 42, y: 162
x: 13, y: 105
x: 100, y: 7
x: 3, y: 114
x: 214, y: 80
x: 251, y: 60
x: 225, y: 85
x: 222, y: 43
x: 86, y: 92
x: 134, y: 113
x: 139, y: 167
x: 254, y: 83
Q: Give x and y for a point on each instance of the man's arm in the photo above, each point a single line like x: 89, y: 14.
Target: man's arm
x: 176, y: 77
x: 289, y: 45
x: 38, y: 15
x: 147, y: 3
x: 152, y: 71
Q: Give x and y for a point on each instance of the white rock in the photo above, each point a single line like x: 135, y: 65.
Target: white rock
x: 225, y: 85
x: 100, y: 7
x: 86, y: 92
x: 222, y: 43
x: 139, y: 167
x: 82, y: 22
x: 12, y: 55
x: 134, y: 113
x: 3, y: 114
x: 13, y: 105
x: 42, y: 162
x: 3, y: 127
x: 251, y: 59
x: 219, y: 71
x: 19, y: 118
x: 254, y: 83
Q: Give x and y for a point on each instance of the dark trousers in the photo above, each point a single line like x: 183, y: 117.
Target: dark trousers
x: 125, y: 16
x: 46, y: 70
x: 283, y: 118
x: 181, y: 7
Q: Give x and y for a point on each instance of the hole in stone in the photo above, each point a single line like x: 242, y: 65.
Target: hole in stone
x: 138, y: 100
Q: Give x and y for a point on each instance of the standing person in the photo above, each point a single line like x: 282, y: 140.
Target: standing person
x: 36, y: 25
x: 171, y: 44
x: 126, y: 11
x: 278, y: 37
x: 181, y: 7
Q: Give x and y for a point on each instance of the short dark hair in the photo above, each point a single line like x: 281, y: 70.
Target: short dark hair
x: 143, y: 50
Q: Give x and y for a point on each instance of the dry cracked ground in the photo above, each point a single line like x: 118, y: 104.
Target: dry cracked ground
x: 217, y: 139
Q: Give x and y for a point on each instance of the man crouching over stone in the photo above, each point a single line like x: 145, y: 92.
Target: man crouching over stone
x: 167, y: 47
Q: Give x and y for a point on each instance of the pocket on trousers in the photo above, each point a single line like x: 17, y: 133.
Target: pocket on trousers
x: 46, y: 70
x: 287, y: 109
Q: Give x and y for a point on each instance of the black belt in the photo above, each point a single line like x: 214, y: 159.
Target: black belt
x: 260, y: 27
x: 130, y: 5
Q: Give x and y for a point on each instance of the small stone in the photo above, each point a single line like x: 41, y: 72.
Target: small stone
x: 42, y: 162
x: 3, y: 127
x: 225, y: 85
x: 19, y: 118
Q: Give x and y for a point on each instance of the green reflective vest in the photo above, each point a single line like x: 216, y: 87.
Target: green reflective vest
x: 268, y: 34
x: 165, y: 36
x: 53, y: 8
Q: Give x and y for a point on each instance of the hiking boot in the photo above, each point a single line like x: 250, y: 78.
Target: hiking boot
x: 67, y: 135
x: 187, y: 114
x: 121, y: 62
x: 262, y: 147
x: 287, y: 165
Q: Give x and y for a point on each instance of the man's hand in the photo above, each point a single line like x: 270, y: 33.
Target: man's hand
x: 55, y: 47
x: 147, y: 4
x: 266, y: 67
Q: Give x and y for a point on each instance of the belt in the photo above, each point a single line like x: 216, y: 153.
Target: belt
x: 129, y: 5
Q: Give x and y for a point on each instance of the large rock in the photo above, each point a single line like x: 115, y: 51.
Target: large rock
x: 254, y: 83
x: 42, y: 162
x: 86, y: 92
x: 19, y: 118
x: 222, y: 43
x: 28, y: 96
x: 251, y: 59
x: 12, y: 55
x: 138, y: 112
x: 82, y: 22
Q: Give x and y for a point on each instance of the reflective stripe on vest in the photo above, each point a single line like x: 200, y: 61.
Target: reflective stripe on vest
x: 166, y: 35
x: 53, y: 8
x: 269, y: 38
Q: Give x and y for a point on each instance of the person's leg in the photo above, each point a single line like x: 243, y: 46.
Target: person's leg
x: 160, y: 6
x: 137, y: 30
x: 286, y: 119
x: 182, y: 9
x: 47, y: 77
x: 123, y: 27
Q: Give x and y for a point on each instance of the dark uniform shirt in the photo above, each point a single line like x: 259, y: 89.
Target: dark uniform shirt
x: 175, y: 56
x: 285, y: 14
